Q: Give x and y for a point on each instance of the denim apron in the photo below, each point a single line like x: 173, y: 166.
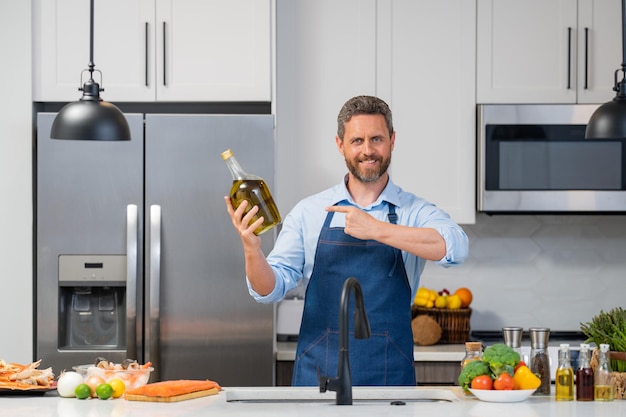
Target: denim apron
x: 386, y: 358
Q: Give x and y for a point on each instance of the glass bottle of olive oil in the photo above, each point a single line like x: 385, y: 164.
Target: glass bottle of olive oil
x: 564, y: 376
x: 254, y: 190
x: 603, y: 377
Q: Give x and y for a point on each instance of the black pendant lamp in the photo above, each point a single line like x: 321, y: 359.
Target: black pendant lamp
x: 90, y: 118
x: 609, y: 120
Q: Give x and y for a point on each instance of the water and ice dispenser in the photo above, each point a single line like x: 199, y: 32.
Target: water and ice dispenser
x: 92, y: 305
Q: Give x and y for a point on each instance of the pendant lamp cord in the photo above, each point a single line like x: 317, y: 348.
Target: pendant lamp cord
x: 91, y: 23
x: 620, y: 87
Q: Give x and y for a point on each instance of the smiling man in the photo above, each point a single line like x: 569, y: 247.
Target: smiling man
x: 365, y: 227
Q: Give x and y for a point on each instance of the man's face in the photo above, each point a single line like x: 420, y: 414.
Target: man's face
x: 366, y: 147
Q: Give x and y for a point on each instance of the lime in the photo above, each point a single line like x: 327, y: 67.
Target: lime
x: 104, y: 391
x: 82, y: 391
x: 118, y: 387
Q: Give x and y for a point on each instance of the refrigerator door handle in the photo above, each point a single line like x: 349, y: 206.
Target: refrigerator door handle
x: 131, y: 281
x: 154, y: 292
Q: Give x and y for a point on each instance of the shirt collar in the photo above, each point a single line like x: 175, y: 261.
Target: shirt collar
x: 390, y: 194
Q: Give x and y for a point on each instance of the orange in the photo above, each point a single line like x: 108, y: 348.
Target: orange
x: 466, y: 296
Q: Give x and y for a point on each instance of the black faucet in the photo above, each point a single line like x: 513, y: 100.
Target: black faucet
x: 342, y: 384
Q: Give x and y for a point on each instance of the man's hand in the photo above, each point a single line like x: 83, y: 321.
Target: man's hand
x: 258, y: 271
x: 359, y: 224
x: 242, y: 224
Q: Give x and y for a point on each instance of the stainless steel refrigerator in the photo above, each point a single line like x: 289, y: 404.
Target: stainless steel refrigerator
x: 136, y: 256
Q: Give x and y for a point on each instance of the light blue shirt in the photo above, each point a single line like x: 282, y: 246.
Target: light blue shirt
x: 294, y: 251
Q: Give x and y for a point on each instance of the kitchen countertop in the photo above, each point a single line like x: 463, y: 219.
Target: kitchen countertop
x: 50, y: 405
x: 286, y: 351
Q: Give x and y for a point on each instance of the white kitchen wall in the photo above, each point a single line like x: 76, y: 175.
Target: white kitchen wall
x: 15, y: 182
x: 539, y: 270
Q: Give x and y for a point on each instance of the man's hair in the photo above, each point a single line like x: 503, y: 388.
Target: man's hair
x: 363, y: 105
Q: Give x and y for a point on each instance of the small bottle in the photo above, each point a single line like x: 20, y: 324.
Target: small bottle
x: 603, y: 377
x: 564, y: 376
x: 473, y: 352
x: 253, y: 189
x: 584, y: 375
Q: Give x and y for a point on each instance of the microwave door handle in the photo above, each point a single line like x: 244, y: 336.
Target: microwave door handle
x: 154, y: 292
x: 131, y: 281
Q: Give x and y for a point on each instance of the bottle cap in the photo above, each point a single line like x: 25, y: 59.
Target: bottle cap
x: 604, y: 347
x: 564, y: 347
x: 227, y: 154
x: 584, y: 347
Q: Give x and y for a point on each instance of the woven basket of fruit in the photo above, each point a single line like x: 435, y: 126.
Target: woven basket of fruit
x: 455, y: 324
x: 450, y: 310
x: 609, y: 327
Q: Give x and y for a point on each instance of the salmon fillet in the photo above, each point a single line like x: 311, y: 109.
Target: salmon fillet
x: 174, y: 388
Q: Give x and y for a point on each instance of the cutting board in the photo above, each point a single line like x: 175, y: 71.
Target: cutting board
x: 182, y: 397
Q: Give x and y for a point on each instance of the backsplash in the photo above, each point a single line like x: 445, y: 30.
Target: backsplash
x: 551, y: 271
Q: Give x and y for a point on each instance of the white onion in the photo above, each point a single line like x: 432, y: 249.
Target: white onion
x: 67, y: 383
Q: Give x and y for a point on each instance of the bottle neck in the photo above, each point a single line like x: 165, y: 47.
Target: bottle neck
x: 583, y: 360
x: 235, y: 169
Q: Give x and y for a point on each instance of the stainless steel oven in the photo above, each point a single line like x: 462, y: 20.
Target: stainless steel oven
x: 535, y: 158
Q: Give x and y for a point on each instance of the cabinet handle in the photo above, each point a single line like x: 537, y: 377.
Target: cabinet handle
x: 146, y: 54
x: 569, y: 58
x: 164, y: 55
x: 586, y: 58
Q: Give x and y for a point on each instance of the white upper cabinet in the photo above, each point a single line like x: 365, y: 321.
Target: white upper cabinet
x: 428, y: 61
x: 418, y: 55
x: 547, y: 51
x: 155, y: 50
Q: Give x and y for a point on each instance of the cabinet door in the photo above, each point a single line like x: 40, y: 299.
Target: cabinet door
x: 213, y: 50
x: 121, y: 49
x: 526, y: 51
x: 429, y: 52
x: 600, y: 46
x: 326, y: 53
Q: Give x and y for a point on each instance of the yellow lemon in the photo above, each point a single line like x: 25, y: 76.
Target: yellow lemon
x: 454, y: 302
x: 441, y: 301
x: 118, y: 387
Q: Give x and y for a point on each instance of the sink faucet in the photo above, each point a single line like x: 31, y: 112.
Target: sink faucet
x: 342, y: 384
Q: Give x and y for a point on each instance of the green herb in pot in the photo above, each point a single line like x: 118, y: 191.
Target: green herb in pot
x: 609, y: 328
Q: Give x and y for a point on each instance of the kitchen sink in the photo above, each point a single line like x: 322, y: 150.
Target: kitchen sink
x: 391, y: 395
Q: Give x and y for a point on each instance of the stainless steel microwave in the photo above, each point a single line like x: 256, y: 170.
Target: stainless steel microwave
x: 535, y: 158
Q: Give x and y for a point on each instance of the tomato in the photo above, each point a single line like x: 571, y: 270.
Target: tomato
x: 482, y: 382
x: 521, y: 363
x: 504, y: 382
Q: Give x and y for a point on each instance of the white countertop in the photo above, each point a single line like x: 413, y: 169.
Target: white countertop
x: 286, y: 351
x: 51, y: 405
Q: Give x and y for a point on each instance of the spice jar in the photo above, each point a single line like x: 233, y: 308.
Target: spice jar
x: 473, y: 352
x: 539, y: 358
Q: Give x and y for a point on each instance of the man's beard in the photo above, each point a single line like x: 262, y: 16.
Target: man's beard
x: 368, y: 174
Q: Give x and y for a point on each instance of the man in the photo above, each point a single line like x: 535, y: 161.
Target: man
x: 365, y: 227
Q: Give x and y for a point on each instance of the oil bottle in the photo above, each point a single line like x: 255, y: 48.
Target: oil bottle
x: 564, y: 376
x: 603, y: 377
x: 254, y: 190
x: 584, y: 375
